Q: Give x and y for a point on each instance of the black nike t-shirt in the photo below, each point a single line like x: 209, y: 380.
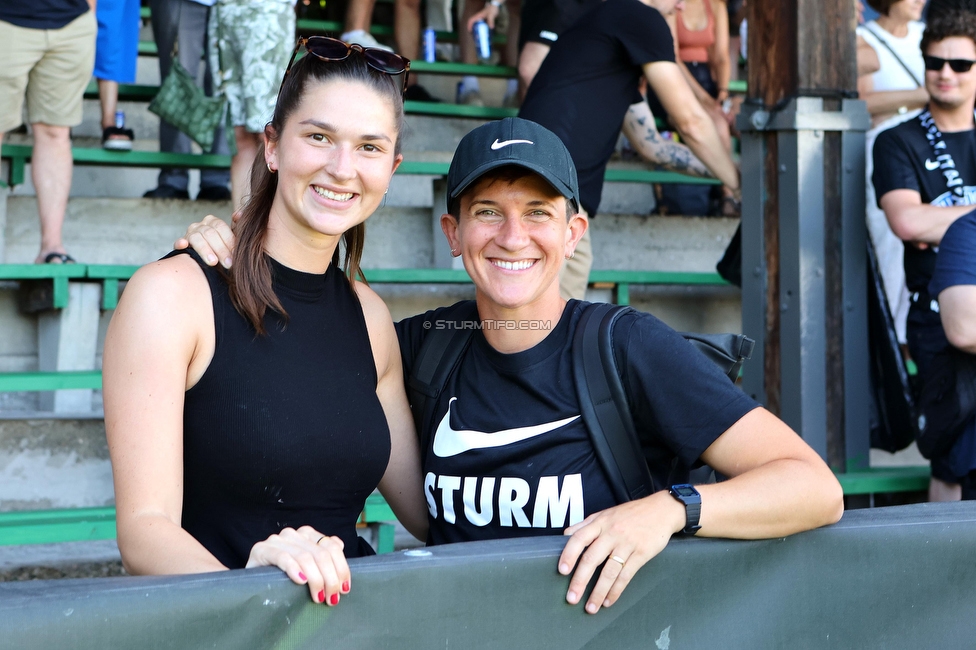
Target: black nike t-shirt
x: 589, y: 79
x: 509, y: 455
x: 904, y: 159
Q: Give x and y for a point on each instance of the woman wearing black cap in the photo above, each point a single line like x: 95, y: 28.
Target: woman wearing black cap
x: 506, y: 452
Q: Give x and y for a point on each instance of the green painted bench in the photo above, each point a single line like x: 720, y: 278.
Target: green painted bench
x: 19, y: 155
x: 91, y: 524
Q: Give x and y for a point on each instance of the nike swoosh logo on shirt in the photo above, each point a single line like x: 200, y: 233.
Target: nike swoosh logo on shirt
x: 448, y: 442
x: 498, y: 145
x: 929, y: 165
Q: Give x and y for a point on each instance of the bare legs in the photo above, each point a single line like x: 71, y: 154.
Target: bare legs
x: 240, y: 164
x: 51, y: 168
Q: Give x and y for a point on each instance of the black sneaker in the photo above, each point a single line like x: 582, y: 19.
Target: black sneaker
x: 417, y: 93
x: 213, y: 193
x: 167, y: 192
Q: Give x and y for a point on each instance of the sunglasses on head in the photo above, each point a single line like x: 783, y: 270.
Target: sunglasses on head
x: 934, y: 63
x: 332, y: 49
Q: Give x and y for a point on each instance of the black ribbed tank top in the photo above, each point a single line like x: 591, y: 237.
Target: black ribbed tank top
x: 283, y: 429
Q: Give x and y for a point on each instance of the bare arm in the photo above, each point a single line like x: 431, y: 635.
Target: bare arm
x: 689, y: 118
x: 883, y: 104
x: 918, y: 223
x: 779, y: 486
x: 165, y: 303
x: 957, y: 307
x: 718, y: 53
x: 641, y: 131
x: 402, y: 484
x: 867, y: 59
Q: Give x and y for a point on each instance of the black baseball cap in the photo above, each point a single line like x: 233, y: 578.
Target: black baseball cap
x: 513, y: 141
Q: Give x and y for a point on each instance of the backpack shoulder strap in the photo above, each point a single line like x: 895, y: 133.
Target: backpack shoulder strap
x: 439, y: 355
x: 603, y: 403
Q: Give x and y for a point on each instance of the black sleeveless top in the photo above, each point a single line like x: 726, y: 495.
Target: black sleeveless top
x: 283, y: 429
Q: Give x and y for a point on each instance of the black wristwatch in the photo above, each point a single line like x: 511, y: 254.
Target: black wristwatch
x: 689, y: 496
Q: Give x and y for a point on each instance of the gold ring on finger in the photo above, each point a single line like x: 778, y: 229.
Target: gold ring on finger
x: 617, y: 558
x: 320, y: 539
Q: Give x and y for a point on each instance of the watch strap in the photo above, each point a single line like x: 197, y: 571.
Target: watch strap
x: 692, y: 504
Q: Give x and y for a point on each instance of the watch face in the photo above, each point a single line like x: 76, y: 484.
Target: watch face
x: 685, y: 490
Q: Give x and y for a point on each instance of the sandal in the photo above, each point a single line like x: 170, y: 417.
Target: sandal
x: 63, y: 258
x: 116, y: 139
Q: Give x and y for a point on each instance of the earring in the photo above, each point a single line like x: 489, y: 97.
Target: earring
x: 571, y: 255
x: 269, y: 168
x: 455, y: 252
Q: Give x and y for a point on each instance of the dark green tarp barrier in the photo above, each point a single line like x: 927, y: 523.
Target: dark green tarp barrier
x: 902, y: 577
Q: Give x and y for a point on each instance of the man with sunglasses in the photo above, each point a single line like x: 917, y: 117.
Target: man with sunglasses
x: 925, y: 178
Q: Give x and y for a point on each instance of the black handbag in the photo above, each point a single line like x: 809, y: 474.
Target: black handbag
x: 894, y: 422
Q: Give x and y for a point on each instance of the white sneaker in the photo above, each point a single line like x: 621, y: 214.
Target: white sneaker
x: 364, y: 38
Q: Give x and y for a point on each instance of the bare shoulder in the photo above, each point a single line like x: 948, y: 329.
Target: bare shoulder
x: 374, y: 309
x: 379, y: 324
x: 168, y: 278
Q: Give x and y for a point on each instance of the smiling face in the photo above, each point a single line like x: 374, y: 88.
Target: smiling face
x: 513, y: 235
x: 334, y: 159
x: 947, y: 89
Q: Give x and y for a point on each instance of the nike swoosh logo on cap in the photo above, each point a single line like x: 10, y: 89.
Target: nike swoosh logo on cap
x: 496, y: 145
x: 929, y: 165
x: 448, y: 442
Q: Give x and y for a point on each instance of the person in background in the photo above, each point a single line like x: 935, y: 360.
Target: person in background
x: 469, y: 88
x: 701, y: 35
x: 925, y: 179
x: 183, y: 24
x: 116, y: 51
x: 47, y: 53
x: 954, y: 286
x: 894, y: 93
x: 250, y: 41
x: 595, y: 67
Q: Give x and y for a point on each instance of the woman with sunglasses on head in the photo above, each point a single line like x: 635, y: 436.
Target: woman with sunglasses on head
x: 507, y: 445
x: 250, y: 413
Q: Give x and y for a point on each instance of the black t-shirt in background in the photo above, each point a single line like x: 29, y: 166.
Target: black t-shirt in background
x: 41, y: 14
x: 904, y: 160
x: 589, y: 79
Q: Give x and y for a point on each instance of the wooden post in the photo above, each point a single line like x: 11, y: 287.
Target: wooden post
x: 799, y: 162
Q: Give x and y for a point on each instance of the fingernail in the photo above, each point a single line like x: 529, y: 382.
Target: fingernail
x: 572, y: 597
x: 591, y: 608
x: 607, y: 603
x: 345, y: 587
x: 301, y: 576
x: 211, y: 259
x: 334, y: 600
x: 227, y: 262
x: 321, y: 596
x: 564, y: 568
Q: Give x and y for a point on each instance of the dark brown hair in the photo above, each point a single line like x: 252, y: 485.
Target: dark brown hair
x: 947, y: 25
x: 250, y: 278
x: 506, y: 174
x: 882, y: 6
x: 938, y: 8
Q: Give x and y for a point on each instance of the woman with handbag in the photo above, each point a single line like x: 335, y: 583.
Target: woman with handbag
x: 507, y: 446
x: 249, y: 414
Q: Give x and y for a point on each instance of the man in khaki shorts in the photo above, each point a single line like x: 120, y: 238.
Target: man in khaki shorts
x: 47, y: 50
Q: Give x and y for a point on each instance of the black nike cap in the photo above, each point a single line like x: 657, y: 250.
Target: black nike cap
x: 513, y: 141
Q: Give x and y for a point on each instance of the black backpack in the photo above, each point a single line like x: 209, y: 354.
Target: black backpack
x: 603, y: 401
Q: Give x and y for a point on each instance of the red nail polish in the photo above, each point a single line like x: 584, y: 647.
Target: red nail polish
x: 334, y: 600
x: 301, y: 576
x: 345, y: 587
x: 321, y: 596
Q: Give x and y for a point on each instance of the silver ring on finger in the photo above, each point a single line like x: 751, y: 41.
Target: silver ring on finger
x: 617, y: 558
